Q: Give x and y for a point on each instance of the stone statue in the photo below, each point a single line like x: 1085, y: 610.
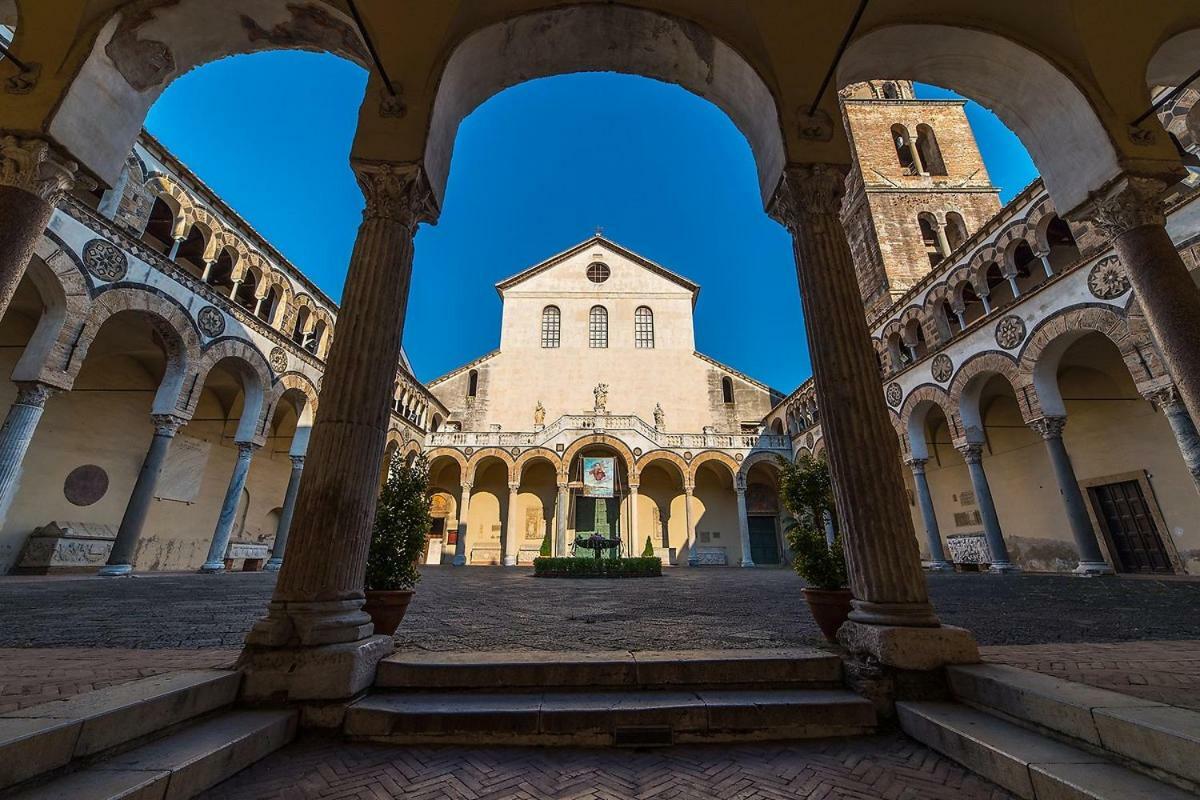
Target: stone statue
x: 539, y: 415
x: 601, y: 393
x: 660, y: 419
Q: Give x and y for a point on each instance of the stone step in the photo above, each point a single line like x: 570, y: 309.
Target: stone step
x: 1156, y: 735
x: 45, y: 737
x: 1028, y: 764
x: 178, y: 766
x: 607, y: 718
x: 533, y: 670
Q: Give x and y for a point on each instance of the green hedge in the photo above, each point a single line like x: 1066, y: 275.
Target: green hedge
x: 597, y: 568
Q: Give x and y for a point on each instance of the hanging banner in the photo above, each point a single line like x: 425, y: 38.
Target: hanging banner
x: 598, y: 476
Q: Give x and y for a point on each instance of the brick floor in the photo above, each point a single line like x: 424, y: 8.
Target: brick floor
x: 886, y: 766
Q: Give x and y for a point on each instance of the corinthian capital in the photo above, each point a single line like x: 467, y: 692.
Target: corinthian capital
x: 1127, y: 203
x: 31, y: 165
x: 1049, y: 427
x: 808, y: 190
x: 167, y: 424
x: 972, y: 452
x: 33, y: 393
x: 396, y: 192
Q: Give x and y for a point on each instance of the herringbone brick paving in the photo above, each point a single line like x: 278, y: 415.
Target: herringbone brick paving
x: 865, y: 768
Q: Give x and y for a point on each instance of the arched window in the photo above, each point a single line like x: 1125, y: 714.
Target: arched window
x: 726, y: 391
x: 598, y: 327
x: 551, y: 326
x: 928, y: 150
x: 472, y: 383
x: 159, y: 228
x: 904, y: 150
x: 300, y: 330
x: 643, y: 327
x: 266, y: 311
x: 890, y: 92
x: 929, y: 239
x: 956, y: 230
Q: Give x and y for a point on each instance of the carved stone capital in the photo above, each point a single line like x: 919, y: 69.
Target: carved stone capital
x: 396, y: 192
x: 167, y: 424
x: 246, y: 450
x: 972, y: 452
x: 739, y: 483
x: 466, y: 486
x: 1127, y: 203
x: 30, y: 164
x: 1049, y: 427
x: 514, y: 487
x: 807, y: 190
x: 1165, y: 398
x: 33, y: 393
x: 917, y: 465
x: 297, y: 462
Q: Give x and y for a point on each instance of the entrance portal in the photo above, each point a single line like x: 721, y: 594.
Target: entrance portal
x: 764, y: 543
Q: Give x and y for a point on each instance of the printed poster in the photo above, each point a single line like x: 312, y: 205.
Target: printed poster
x: 598, y: 476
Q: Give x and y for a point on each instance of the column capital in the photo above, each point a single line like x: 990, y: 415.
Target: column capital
x: 31, y: 164
x: 1049, y: 427
x: 1164, y: 397
x: 688, y: 488
x: 167, y: 424
x: 1127, y: 202
x: 398, y: 193
x: 34, y: 393
x: 466, y: 485
x: 633, y: 486
x: 514, y: 487
x: 246, y: 449
x: 972, y: 452
x: 563, y: 485
x: 297, y: 462
x: 808, y: 190
x: 739, y: 482
x: 917, y: 465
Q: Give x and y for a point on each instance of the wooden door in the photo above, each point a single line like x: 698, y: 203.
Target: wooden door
x: 1135, y: 540
x: 764, y: 544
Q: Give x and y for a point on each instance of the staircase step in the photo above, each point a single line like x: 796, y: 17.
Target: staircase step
x: 1157, y: 735
x: 178, y: 766
x: 534, y: 670
x: 602, y: 718
x: 41, y: 738
x: 1025, y: 762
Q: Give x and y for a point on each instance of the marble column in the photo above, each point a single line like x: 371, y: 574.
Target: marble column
x: 693, y: 556
x: 285, y: 515
x: 933, y: 534
x: 987, y: 303
x: 1012, y: 284
x: 1091, y: 560
x: 635, y: 544
x: 120, y: 560
x: 464, y: 509
x: 882, y: 559
x: 560, y: 521
x: 1130, y: 212
x: 233, y: 493
x: 739, y: 486
x: 943, y: 242
x: 1044, y: 257
x: 316, y: 642
x: 972, y: 453
x: 512, y: 537
x: 1168, y: 401
x: 173, y: 253
x: 33, y: 178
x: 15, y: 436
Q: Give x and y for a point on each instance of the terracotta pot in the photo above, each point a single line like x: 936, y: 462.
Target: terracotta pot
x: 830, y: 608
x: 386, y: 608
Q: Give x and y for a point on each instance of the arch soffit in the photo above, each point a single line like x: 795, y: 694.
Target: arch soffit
x: 532, y: 455
x: 479, y: 456
x: 762, y: 457
x: 679, y: 467
x: 438, y: 453
x: 253, y: 372
x: 577, y: 446
x: 714, y: 456
x: 969, y: 381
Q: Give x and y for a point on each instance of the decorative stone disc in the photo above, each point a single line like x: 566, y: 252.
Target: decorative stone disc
x: 737, y: 456
x: 1108, y: 279
x: 278, y: 358
x: 211, y: 321
x: 894, y: 394
x: 1010, y: 332
x: 637, y: 451
x: 85, y: 485
x: 808, y: 441
x: 941, y: 368
x: 105, y: 260
x: 516, y: 451
x: 687, y: 456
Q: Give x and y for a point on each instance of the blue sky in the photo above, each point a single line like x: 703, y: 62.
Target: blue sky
x: 536, y: 169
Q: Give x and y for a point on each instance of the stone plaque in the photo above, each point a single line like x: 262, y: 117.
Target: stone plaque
x: 181, y: 475
x: 85, y: 485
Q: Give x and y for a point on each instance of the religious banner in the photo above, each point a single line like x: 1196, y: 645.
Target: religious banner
x: 598, y: 477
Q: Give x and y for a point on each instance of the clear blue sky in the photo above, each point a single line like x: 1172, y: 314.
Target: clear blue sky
x: 535, y: 170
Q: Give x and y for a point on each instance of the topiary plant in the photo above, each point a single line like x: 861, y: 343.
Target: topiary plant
x: 544, y: 551
x: 648, y: 550
x: 402, y: 520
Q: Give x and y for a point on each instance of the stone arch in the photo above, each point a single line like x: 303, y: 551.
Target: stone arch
x: 762, y: 457
x: 1052, y: 115
x: 1174, y: 60
x: 177, y: 199
x: 1043, y: 351
x: 714, y: 456
x: 965, y: 390
x: 599, y: 439
x: 451, y: 453
x: 488, y: 452
x: 66, y: 295
x: 604, y: 37
x: 253, y: 371
x: 913, y: 414
x: 536, y: 454
x: 682, y: 468
x: 299, y: 387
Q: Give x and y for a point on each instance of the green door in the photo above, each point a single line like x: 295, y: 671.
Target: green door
x: 764, y: 545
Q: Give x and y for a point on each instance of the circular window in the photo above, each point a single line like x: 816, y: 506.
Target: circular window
x: 597, y: 272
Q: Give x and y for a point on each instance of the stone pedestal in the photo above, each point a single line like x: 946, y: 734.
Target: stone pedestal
x: 66, y: 548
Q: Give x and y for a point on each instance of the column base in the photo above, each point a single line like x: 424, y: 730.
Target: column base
x: 747, y: 563
x: 1004, y: 568
x: 310, y: 624
x: 902, y: 615
x: 273, y: 564
x: 1093, y: 569
x: 910, y: 648
x: 212, y: 567
x: 326, y: 672
x: 939, y: 566
x: 115, y: 570
x: 509, y: 561
x: 459, y: 561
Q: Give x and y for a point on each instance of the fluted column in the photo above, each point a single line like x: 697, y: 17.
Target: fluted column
x: 319, y: 596
x: 693, y: 556
x: 1168, y: 401
x: 511, y: 545
x: 285, y: 516
x: 739, y: 486
x: 120, y: 560
x: 33, y: 178
x: 1130, y: 212
x: 635, y: 546
x: 933, y: 534
x: 972, y: 453
x: 883, y: 562
x: 15, y: 436
x: 233, y: 493
x: 1091, y: 560
x: 464, y: 508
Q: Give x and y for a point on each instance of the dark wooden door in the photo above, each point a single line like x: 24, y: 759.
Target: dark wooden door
x: 764, y: 545
x: 1126, y: 518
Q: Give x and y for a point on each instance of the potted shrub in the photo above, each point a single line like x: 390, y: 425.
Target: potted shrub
x: 402, y: 520
x: 807, y: 492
